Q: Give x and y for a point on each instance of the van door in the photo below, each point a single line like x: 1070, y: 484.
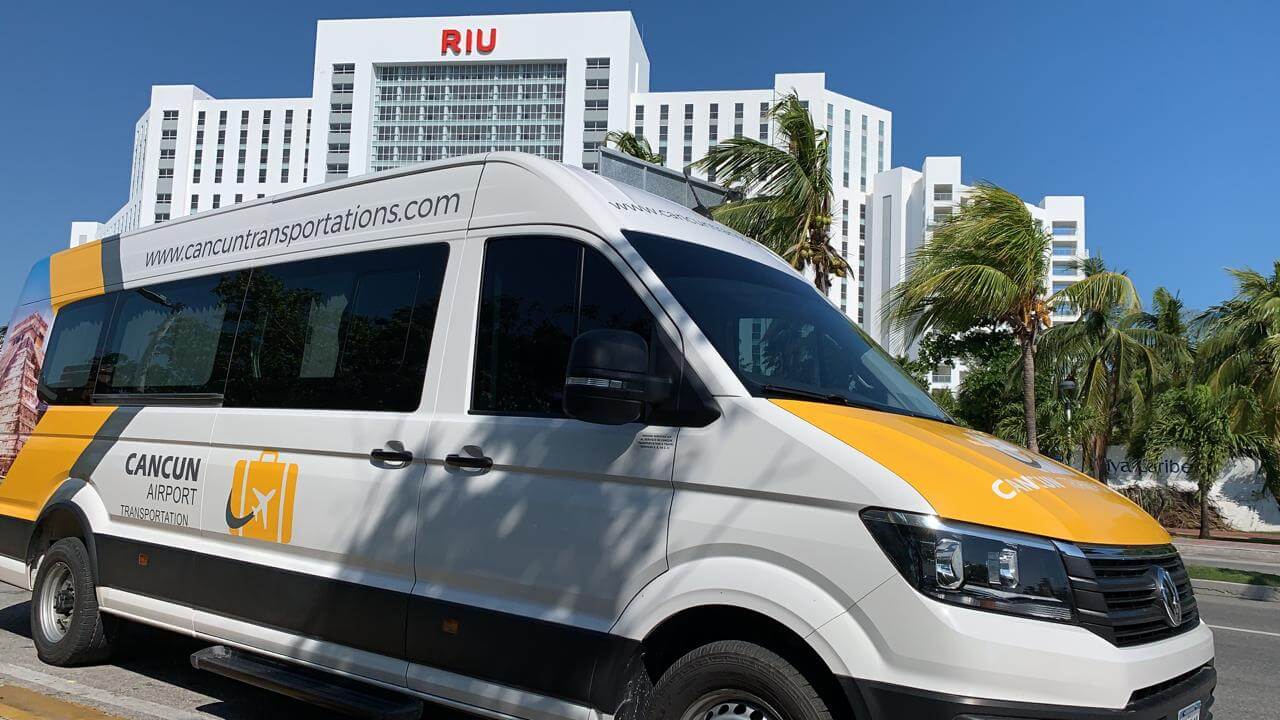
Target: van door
x: 536, y: 529
x: 163, y: 366
x: 317, y: 460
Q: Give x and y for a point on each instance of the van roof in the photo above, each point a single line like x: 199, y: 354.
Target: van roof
x: 471, y: 192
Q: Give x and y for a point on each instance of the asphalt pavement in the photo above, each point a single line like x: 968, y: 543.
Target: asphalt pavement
x: 151, y: 678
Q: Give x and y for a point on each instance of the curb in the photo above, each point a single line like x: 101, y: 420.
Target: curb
x: 1238, y: 590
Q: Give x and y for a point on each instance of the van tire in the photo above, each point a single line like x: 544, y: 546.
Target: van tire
x: 65, y: 584
x: 741, y: 675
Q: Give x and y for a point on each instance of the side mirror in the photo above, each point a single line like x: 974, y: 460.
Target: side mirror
x: 608, y: 379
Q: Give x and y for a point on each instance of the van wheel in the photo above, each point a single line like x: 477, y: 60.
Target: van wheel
x: 66, y: 625
x: 735, y: 680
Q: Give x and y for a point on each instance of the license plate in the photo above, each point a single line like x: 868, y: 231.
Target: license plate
x: 1190, y: 712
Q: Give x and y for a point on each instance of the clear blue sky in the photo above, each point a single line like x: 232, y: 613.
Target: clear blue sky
x: 1165, y: 115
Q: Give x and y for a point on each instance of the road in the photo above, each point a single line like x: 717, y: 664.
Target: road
x: 152, y: 678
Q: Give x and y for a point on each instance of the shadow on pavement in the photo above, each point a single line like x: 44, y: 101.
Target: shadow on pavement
x: 162, y: 656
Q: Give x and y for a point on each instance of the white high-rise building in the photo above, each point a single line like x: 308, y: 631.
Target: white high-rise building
x: 396, y: 91
x: 907, y: 204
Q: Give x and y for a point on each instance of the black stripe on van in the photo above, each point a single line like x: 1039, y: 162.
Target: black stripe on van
x: 548, y: 658
x: 15, y: 534
x: 102, y: 442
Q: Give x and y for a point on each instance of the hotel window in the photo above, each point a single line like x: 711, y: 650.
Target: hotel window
x: 306, y: 151
x: 195, y: 203
x: 880, y: 154
x: 688, y: 112
x: 598, y: 84
x: 597, y: 105
x: 239, y: 198
x: 217, y: 201
x: 688, y: 154
x: 170, y: 115
x: 662, y: 113
x: 764, y: 122
x: 862, y: 178
x: 168, y: 135
x: 598, y: 63
x: 164, y: 198
x: 737, y: 120
x: 162, y: 216
x: 639, y: 121
x: 167, y: 153
x: 848, y: 135
x: 425, y: 112
x: 166, y: 173
x: 831, y: 143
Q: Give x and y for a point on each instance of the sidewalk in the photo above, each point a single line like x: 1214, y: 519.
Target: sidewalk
x: 1232, y: 535
x: 1252, y: 557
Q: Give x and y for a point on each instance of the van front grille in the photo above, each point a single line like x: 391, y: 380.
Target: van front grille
x: 1117, y: 596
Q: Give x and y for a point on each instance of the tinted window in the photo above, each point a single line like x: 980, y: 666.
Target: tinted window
x: 528, y: 300
x: 172, y: 338
x: 537, y: 294
x: 351, y: 332
x: 781, y: 337
x: 75, y: 344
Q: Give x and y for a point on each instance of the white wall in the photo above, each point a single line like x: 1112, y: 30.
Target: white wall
x: 1238, y: 493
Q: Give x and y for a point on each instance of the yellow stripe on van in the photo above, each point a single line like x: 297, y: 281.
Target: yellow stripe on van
x: 75, y: 274
x: 59, y: 439
x: 973, y: 477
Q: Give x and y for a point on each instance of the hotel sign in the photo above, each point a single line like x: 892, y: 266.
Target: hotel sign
x: 466, y: 42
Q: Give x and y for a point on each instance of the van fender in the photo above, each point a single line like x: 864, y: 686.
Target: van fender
x: 81, y: 501
x: 792, y: 597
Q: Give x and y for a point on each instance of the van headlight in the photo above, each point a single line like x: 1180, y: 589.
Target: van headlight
x: 975, y: 566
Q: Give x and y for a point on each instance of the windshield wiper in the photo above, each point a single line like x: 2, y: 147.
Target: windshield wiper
x: 805, y: 394
x: 838, y: 399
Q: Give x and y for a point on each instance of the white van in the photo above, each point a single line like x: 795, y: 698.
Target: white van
x: 498, y: 433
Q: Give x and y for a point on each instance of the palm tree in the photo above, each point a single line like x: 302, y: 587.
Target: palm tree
x: 1209, y: 428
x: 634, y: 145
x: 988, y: 265
x: 788, y: 189
x: 1119, y: 352
x: 1241, y: 347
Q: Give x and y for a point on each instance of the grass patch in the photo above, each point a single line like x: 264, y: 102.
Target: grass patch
x: 1201, y: 572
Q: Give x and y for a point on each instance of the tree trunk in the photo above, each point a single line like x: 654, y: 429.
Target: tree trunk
x: 1204, y: 511
x: 1028, y: 344
x: 1104, y: 434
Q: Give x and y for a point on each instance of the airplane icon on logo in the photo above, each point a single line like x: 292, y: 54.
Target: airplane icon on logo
x: 260, y: 510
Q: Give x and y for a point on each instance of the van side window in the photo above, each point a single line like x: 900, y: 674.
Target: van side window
x: 528, y: 299
x: 349, y: 332
x: 172, y: 338
x: 537, y: 294
x: 74, y: 347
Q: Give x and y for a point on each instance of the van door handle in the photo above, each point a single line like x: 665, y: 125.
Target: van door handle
x: 468, y: 461
x: 403, y: 457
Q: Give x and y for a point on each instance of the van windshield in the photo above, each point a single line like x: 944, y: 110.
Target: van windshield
x: 780, y: 336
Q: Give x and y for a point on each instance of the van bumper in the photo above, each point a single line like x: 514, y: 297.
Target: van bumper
x: 882, y: 701
x: 909, y: 651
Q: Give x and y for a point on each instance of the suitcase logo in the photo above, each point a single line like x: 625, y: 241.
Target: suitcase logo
x: 260, y: 505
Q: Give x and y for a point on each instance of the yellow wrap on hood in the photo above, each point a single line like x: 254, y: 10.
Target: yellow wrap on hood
x: 976, y: 478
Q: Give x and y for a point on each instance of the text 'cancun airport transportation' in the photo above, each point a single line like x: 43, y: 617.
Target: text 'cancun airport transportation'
x: 499, y: 433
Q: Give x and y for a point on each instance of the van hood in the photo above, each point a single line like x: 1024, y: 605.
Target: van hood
x: 973, y: 477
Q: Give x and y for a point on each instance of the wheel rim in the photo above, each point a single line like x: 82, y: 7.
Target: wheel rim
x: 730, y: 705
x: 57, y: 602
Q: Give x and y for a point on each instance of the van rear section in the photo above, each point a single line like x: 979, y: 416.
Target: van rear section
x: 496, y: 433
